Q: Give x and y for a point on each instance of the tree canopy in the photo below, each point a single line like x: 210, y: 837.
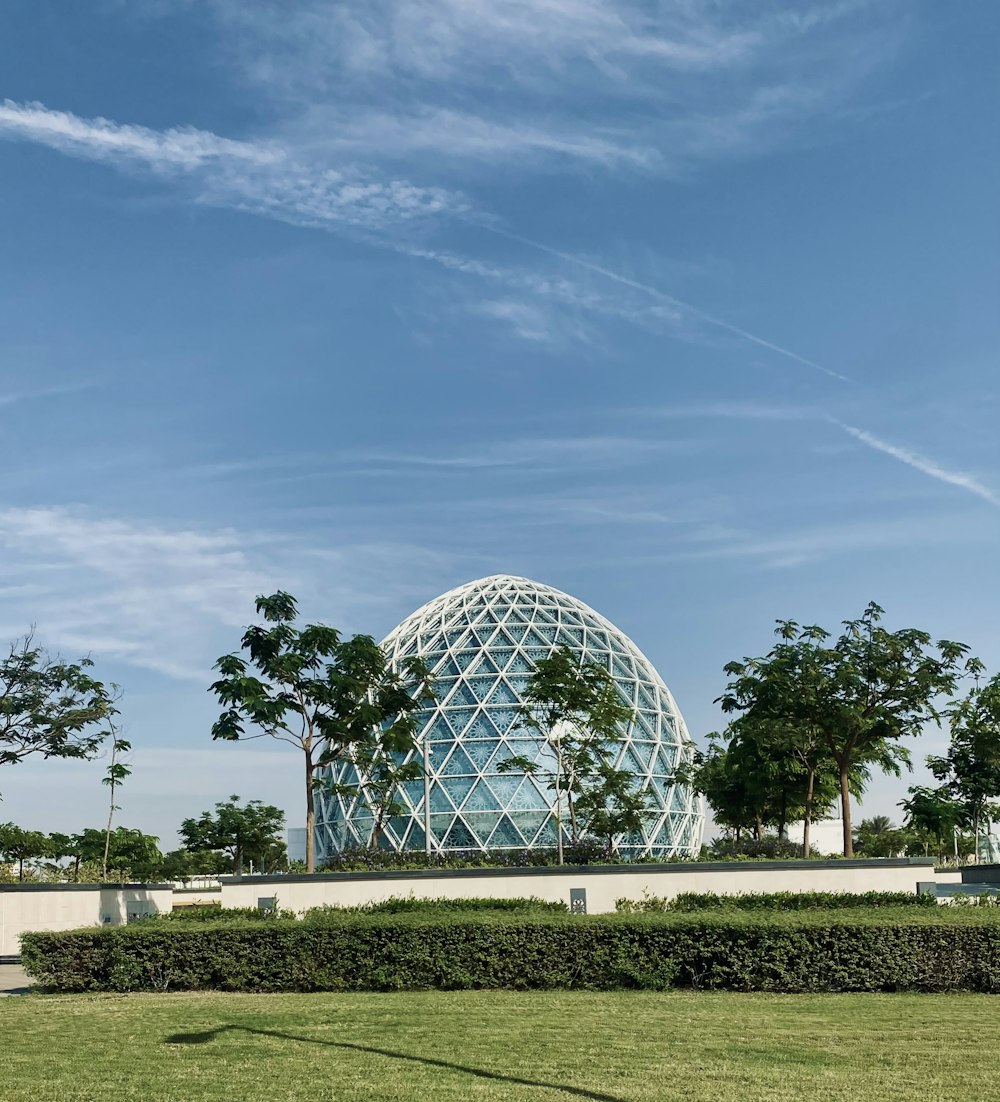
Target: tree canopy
x: 50, y: 707
x: 576, y: 712
x: 856, y: 697
x: 248, y: 832
x: 327, y: 696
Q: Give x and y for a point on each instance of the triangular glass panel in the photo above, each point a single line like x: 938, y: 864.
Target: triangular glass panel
x: 504, y: 719
x: 518, y: 685
x: 481, y: 751
x: 644, y: 752
x: 621, y: 671
x: 482, y: 727
x: 482, y: 686
x: 646, y: 697
x: 459, y: 788
x: 502, y: 695
x: 506, y: 834
x: 439, y: 799
x: 502, y: 656
x: 416, y: 838
x: 527, y: 797
x: 458, y: 764
x: 459, y: 837
x: 519, y: 665
x: 503, y: 787
x: 462, y: 696
x: 629, y: 761
x: 459, y: 719
x: 480, y: 799
x: 447, y: 669
x: 481, y: 823
x: 546, y: 836
x: 547, y: 632
x: 665, y: 763
x: 465, y: 658
x: 485, y: 667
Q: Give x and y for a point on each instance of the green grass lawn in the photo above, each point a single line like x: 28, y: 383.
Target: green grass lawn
x: 444, y: 1046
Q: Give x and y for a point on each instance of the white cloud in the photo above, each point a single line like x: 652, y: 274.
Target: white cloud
x: 921, y: 463
x: 257, y: 177
x: 278, y: 186
x: 662, y: 87
x: 171, y: 599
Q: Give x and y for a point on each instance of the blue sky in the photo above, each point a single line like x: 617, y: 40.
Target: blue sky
x: 687, y: 309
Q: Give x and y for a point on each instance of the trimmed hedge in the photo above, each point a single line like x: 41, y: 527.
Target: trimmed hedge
x: 816, y: 951
x: 689, y: 902
x: 440, y: 905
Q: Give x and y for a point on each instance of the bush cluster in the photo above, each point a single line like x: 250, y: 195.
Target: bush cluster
x: 690, y: 902
x: 412, y: 905
x: 586, y: 852
x: 886, y: 949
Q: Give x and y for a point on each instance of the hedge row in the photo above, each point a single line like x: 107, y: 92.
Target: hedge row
x: 809, y: 951
x: 774, y: 901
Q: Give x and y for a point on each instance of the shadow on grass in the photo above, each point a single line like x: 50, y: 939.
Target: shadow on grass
x: 479, y: 1073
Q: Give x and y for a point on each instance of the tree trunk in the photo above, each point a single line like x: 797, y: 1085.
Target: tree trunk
x: 558, y: 810
x: 107, y: 832
x: 310, y: 814
x: 976, y: 834
x: 76, y: 868
x: 845, y: 811
x: 807, y: 814
x: 20, y: 868
x: 783, y: 815
x: 758, y: 828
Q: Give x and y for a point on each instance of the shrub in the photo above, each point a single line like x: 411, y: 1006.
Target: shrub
x: 411, y: 904
x: 585, y: 852
x: 214, y: 913
x: 877, y: 950
x: 689, y: 902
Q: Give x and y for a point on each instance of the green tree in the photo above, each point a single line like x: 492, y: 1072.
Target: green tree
x: 249, y: 832
x: 117, y: 771
x: 183, y: 864
x: 20, y: 845
x: 936, y: 817
x: 575, y: 710
x: 50, y: 707
x: 322, y: 694
x: 862, y: 694
x: 880, y: 837
x: 970, y: 770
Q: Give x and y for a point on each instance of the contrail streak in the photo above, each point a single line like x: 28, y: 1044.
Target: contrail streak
x: 923, y: 464
x: 656, y: 293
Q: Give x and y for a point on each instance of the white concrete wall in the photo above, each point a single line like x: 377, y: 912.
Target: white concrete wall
x: 604, y: 885
x: 69, y: 907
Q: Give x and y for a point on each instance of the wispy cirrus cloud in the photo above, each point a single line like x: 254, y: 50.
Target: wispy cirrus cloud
x: 254, y: 176
x: 923, y: 464
x: 277, y: 185
x: 663, y: 87
x: 171, y: 598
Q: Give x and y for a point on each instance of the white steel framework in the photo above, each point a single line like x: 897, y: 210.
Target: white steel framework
x: 481, y: 642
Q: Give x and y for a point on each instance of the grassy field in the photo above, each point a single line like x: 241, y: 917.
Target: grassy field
x: 445, y: 1047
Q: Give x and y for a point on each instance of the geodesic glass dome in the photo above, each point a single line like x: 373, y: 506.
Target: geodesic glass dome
x: 481, y: 642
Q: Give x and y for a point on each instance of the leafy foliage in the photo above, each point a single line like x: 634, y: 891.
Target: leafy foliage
x: 693, y: 902
x: 440, y: 906
x: 249, y: 832
x: 970, y: 769
x: 853, y: 700
x: 50, y: 707
x: 878, y: 949
x: 330, y: 698
x: 575, y: 711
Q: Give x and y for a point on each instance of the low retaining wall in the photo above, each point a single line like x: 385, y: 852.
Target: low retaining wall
x: 601, y: 885
x: 69, y: 906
